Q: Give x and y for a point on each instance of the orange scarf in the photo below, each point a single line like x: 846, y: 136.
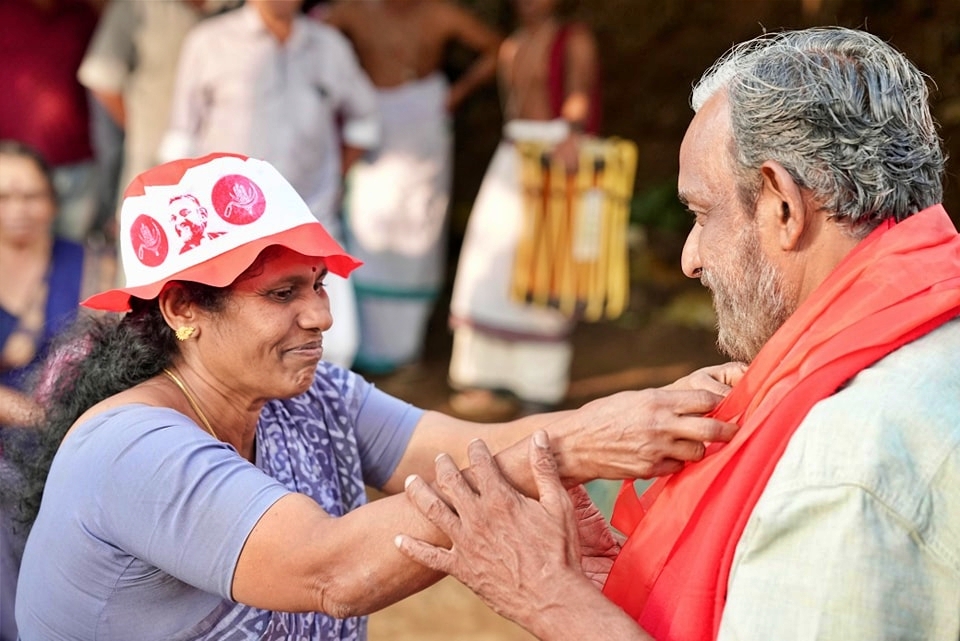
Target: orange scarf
x: 899, y: 283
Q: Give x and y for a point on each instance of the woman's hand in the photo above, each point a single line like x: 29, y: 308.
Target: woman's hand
x: 718, y: 379
x: 637, y: 434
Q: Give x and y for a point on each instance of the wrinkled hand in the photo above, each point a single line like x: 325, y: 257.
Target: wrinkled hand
x: 638, y: 434
x: 598, y: 547
x: 715, y: 378
x: 514, y: 552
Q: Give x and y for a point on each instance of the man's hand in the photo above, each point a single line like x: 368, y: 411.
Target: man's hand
x: 521, y: 556
x: 568, y: 152
x: 598, y: 547
x: 516, y: 553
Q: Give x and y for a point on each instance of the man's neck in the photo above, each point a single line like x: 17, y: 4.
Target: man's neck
x: 828, y: 244
x: 281, y: 27
x: 531, y: 24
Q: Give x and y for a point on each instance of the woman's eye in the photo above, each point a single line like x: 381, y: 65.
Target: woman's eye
x: 283, y: 294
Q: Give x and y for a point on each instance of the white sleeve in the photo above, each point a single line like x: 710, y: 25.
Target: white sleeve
x: 357, y: 96
x: 186, y: 105
x: 110, y: 57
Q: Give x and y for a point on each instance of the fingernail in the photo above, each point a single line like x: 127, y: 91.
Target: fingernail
x: 407, y: 481
x: 397, y: 540
x: 540, y: 439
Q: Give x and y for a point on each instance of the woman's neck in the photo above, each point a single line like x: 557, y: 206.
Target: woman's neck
x: 39, y: 248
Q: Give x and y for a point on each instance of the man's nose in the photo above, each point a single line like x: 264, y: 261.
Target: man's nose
x: 690, y: 259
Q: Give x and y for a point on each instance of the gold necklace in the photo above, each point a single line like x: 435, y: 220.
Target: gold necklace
x: 193, y: 402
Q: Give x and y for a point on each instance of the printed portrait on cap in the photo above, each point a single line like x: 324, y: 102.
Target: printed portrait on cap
x: 206, y: 220
x: 189, y: 219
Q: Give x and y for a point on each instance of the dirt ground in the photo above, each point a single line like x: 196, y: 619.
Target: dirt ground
x: 666, y: 332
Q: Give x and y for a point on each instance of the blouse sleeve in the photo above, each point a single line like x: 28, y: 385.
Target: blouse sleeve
x: 175, y: 497
x: 384, y: 424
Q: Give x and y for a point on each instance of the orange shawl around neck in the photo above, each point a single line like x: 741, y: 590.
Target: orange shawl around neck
x: 899, y: 283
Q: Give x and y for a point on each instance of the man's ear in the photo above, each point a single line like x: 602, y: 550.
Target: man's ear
x: 782, y: 205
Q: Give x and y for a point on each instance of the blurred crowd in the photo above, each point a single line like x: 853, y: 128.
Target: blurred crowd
x: 350, y: 101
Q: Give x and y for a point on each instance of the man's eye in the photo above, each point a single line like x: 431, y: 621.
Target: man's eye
x: 698, y: 217
x: 318, y: 286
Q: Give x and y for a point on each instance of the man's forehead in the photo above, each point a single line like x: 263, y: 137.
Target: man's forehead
x: 705, y: 161
x: 709, y: 126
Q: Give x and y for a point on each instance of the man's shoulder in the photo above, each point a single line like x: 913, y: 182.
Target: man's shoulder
x: 889, y: 431
x: 322, y: 33
x: 920, y: 371
x: 230, y: 21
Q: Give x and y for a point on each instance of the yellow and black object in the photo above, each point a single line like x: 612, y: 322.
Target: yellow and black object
x: 572, y: 254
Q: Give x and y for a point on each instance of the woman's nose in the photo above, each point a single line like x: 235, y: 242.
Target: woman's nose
x: 318, y: 315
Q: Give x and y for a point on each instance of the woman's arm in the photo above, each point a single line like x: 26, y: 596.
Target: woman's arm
x: 634, y: 434
x: 297, y: 557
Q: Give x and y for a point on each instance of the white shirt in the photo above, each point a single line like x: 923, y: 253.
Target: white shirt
x: 240, y: 89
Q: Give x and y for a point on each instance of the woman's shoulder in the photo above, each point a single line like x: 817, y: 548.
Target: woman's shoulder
x: 121, y: 423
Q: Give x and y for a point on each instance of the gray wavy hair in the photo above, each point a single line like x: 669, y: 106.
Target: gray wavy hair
x: 844, y: 112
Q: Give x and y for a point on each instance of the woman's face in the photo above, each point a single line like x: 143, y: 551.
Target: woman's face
x: 27, y: 207
x: 268, y: 339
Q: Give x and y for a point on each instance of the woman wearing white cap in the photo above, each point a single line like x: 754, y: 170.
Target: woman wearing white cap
x: 209, y: 469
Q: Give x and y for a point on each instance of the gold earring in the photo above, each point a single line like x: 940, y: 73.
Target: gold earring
x: 184, y: 333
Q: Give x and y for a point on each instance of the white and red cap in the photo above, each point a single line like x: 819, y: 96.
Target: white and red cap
x: 206, y: 220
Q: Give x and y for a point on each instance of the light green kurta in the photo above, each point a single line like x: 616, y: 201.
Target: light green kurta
x: 857, y: 534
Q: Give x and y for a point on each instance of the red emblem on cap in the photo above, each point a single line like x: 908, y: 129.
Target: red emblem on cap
x: 238, y: 200
x: 149, y: 241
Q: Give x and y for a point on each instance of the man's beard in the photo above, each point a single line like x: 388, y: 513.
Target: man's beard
x: 749, y: 298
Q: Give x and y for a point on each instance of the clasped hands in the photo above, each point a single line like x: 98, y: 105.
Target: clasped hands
x: 522, y: 555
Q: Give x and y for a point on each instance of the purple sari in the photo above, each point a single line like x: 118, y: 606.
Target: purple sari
x: 308, y: 444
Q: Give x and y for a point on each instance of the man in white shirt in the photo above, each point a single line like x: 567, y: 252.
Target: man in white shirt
x: 270, y: 83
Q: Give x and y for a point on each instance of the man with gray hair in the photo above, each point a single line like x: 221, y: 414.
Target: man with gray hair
x: 813, y: 170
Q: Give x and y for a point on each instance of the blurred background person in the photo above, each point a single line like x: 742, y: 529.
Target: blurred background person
x: 267, y: 81
x: 397, y: 199
x: 503, y: 350
x: 130, y: 67
x: 41, y: 45
x: 43, y: 277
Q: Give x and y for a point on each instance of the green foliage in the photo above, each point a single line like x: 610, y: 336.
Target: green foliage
x: 657, y: 207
